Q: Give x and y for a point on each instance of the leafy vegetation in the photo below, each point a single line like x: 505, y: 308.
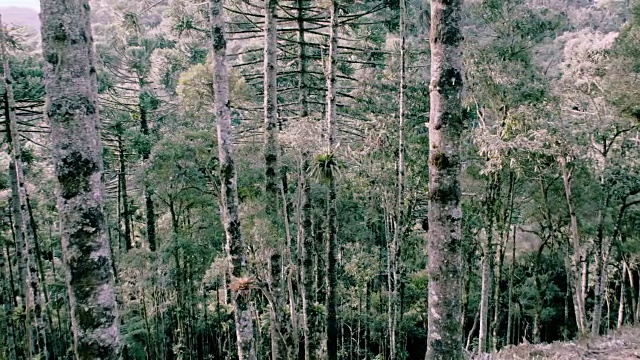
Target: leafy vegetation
x: 550, y: 180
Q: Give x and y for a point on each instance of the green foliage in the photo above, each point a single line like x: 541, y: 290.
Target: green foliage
x: 543, y: 84
x: 325, y: 167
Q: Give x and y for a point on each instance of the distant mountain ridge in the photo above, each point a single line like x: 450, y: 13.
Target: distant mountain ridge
x: 20, y: 16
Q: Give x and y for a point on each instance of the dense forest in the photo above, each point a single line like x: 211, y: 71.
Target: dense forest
x: 311, y: 179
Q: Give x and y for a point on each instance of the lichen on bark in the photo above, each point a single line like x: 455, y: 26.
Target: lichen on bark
x: 72, y: 109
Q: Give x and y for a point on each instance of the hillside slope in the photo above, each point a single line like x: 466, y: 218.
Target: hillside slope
x: 20, y: 16
x: 624, y: 344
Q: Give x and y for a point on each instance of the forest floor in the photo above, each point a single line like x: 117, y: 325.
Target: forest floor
x: 617, y: 345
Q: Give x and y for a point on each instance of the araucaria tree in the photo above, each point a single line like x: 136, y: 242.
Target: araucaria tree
x: 445, y: 214
x: 305, y: 180
x: 72, y: 109
x: 241, y: 284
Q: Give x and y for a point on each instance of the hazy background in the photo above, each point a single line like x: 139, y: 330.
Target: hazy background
x: 33, y: 4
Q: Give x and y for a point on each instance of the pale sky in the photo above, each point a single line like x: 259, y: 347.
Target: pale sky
x: 33, y: 4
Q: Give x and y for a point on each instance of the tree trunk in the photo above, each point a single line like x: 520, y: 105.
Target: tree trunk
x: 394, y: 249
x: 537, y: 311
x: 632, y: 293
x: 303, y: 87
x: 601, y: 263
x: 512, y: 269
x: 34, y: 317
x: 488, y: 256
x: 273, y: 184
x: 332, y: 226
x: 8, y: 344
x: 146, y: 153
x: 444, y: 340
x: 496, y: 296
x: 72, y: 109
x: 123, y: 193
x: 309, y: 327
x: 623, y: 290
x: 271, y: 148
x: 598, y: 290
x: 577, y: 261
x: 13, y: 293
x: 235, y: 247
x: 484, y: 296
x: 505, y: 228
x: 473, y: 329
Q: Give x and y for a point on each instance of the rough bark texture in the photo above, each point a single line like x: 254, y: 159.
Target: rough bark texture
x: 332, y: 245
x: 236, y: 252
x: 72, y: 109
x: 34, y: 321
x: 271, y: 104
x: 444, y: 339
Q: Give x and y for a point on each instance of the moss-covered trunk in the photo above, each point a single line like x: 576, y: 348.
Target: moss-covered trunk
x: 235, y: 247
x: 72, y: 109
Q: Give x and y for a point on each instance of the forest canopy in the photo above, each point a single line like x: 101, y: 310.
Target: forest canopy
x: 303, y: 179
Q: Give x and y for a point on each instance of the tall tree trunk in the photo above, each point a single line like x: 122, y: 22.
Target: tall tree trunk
x: 601, y: 264
x: 34, y: 316
x: 444, y: 339
x: 309, y: 326
x: 485, y: 290
x: 273, y: 184
x: 596, y: 315
x: 332, y: 243
x: 394, y: 250
x: 537, y: 311
x: 270, y: 107
x: 47, y: 321
x: 13, y: 293
x: 7, y: 343
x: 632, y: 293
x: 496, y: 295
x: 488, y: 256
x: 123, y: 194
x: 309, y: 323
x: 303, y: 87
x: 72, y: 109
x: 505, y: 228
x: 512, y: 269
x: 623, y: 293
x: 146, y: 153
x: 577, y: 261
x: 235, y: 247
